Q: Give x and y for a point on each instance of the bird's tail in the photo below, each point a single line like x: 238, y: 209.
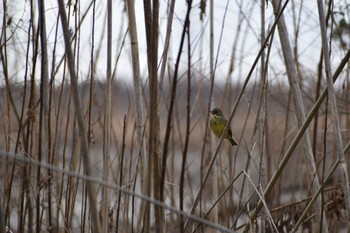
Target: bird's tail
x: 233, y: 142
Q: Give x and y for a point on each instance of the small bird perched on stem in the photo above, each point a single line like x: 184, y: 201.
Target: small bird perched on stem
x: 218, y: 124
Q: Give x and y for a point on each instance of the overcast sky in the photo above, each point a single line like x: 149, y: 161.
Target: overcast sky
x: 229, y: 16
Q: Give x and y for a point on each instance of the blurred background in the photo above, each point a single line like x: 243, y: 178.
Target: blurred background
x: 145, y: 109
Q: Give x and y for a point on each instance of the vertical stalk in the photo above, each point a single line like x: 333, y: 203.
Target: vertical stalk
x: 261, y: 123
x: 149, y: 169
x: 44, y: 136
x: 188, y: 126
x: 297, y: 138
x: 166, y: 44
x: 3, y: 57
x: 140, y: 127
x: 79, y: 117
x: 153, y: 116
x: 121, y: 174
x: 173, y: 94
x: 334, y: 110
x: 212, y: 103
x: 293, y: 81
x: 56, y: 134
x: 107, y: 123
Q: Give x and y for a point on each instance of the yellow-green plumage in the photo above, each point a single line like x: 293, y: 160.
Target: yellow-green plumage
x: 218, y: 124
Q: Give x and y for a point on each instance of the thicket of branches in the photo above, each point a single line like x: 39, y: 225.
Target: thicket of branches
x: 81, y: 151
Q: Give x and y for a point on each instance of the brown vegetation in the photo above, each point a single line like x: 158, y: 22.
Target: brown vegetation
x: 138, y: 156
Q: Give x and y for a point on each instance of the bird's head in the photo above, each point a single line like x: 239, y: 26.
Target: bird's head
x: 216, y: 112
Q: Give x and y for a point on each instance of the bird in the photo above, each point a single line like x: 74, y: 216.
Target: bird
x: 218, y: 123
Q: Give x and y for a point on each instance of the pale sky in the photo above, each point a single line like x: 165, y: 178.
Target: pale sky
x: 226, y: 21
